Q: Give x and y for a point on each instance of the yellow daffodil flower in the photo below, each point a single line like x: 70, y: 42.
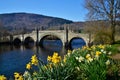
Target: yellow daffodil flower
x: 2, y: 77
x: 28, y: 66
x: 87, y: 56
x: 18, y: 76
x: 49, y: 58
x: 93, y: 47
x: 64, y: 60
x: 69, y: 51
x: 98, y: 53
x: 89, y: 59
x: 84, y: 47
x: 55, y: 58
x: 34, y: 60
x: 55, y: 54
x: 101, y: 46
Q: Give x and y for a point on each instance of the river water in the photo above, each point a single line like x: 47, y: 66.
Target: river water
x: 14, y: 58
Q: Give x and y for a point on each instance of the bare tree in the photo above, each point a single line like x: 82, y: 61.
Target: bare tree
x: 98, y: 31
x: 107, y: 10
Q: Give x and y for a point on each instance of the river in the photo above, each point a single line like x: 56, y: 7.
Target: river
x: 14, y: 58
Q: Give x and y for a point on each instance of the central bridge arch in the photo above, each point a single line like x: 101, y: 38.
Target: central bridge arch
x: 58, y: 34
x: 49, y: 37
x: 50, y: 40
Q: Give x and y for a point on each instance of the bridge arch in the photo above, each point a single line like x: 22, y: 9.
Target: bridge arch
x: 77, y: 41
x: 28, y: 40
x: 17, y: 41
x: 49, y: 37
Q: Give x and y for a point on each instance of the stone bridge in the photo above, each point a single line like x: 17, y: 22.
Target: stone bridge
x: 63, y: 35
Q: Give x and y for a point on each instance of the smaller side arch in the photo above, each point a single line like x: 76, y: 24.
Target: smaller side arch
x: 28, y: 40
x: 77, y: 42
x: 17, y: 41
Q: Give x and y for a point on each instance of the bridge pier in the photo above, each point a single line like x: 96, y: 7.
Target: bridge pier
x: 22, y: 40
x: 37, y: 36
x: 11, y: 39
x: 66, y: 44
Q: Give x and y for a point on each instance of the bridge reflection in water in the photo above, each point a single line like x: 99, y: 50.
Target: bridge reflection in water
x: 14, y: 58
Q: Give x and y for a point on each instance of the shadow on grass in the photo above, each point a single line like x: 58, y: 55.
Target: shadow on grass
x: 117, y: 42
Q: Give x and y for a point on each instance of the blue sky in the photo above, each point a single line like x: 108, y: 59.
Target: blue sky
x: 69, y: 9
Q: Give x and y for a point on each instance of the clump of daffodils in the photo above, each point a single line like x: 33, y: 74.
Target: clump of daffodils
x: 54, y: 59
x: 93, y: 61
x: 34, y: 61
x: 89, y: 58
x: 18, y: 76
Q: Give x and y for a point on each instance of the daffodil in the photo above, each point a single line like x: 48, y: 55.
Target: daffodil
x: 87, y: 56
x: 62, y: 64
x: 49, y: 58
x: 89, y: 59
x: 18, y: 76
x: 110, y: 53
x: 26, y: 74
x: 28, y: 66
x: 101, y: 46
x: 2, y: 77
x: 102, y: 50
x: 98, y: 53
x: 55, y: 54
x: 69, y: 52
x: 93, y: 47
x: 75, y: 50
x: 107, y: 62
x: 55, y: 58
x: 64, y: 59
x: 80, y: 59
x: 84, y: 47
x: 89, y: 48
x: 78, y: 68
x: 34, y: 60
x: 76, y: 58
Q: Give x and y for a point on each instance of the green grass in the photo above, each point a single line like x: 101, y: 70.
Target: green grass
x: 116, y: 47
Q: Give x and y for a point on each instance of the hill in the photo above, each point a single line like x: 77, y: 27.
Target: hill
x: 29, y: 21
